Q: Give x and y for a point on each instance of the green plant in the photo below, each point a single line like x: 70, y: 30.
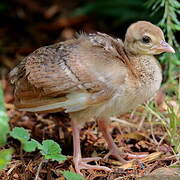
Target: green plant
x: 71, y: 175
x: 24, y: 137
x: 21, y: 134
x: 170, y: 25
x: 121, y: 11
x: 4, y: 126
x: 6, y: 154
x: 49, y: 148
x: 3, y: 6
x: 5, y: 157
x: 169, y: 119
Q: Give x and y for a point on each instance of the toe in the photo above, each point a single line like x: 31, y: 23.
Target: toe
x: 135, y: 156
x: 118, y: 155
x: 121, y: 156
x: 96, y: 167
x: 86, y: 160
x: 82, y: 164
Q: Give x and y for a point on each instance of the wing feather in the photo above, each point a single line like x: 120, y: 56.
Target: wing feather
x: 57, y: 76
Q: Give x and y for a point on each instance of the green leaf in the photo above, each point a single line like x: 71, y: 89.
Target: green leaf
x: 5, y: 157
x: 50, y: 147
x: 21, y: 134
x: 37, y: 143
x: 4, y: 126
x: 51, y: 150
x: 30, y: 146
x: 72, y: 176
x: 56, y: 157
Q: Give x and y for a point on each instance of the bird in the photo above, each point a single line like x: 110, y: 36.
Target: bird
x: 92, y: 76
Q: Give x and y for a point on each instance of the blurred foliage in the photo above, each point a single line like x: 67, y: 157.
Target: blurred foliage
x: 120, y: 10
x: 170, y: 25
x: 171, y: 64
x: 6, y: 154
x: 5, y: 157
x: 4, y: 126
x: 169, y: 119
x: 169, y: 22
x: 3, y: 6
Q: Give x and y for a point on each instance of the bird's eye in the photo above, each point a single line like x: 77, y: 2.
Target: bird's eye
x: 146, y: 39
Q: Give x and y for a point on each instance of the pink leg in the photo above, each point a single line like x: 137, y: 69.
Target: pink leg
x: 79, y: 162
x: 114, y: 151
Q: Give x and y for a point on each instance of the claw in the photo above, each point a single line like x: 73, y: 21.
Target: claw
x: 82, y: 164
x: 117, y: 155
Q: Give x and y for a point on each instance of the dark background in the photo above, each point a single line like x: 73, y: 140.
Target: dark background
x: 26, y: 25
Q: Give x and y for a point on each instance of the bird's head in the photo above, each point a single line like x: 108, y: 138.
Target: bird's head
x: 144, y: 38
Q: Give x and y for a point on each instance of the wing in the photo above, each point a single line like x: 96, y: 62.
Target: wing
x: 57, y: 77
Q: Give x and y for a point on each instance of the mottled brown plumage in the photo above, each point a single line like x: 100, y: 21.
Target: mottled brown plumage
x: 92, y: 76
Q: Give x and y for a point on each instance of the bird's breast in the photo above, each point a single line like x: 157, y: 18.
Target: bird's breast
x: 133, y: 92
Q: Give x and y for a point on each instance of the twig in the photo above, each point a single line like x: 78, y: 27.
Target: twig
x: 14, y: 165
x: 160, y: 142
x: 142, y: 121
x: 152, y: 133
x: 38, y: 170
x: 123, y: 122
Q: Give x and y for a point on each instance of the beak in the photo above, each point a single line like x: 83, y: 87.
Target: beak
x: 165, y: 47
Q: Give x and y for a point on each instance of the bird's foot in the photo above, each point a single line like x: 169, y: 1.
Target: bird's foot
x: 121, y: 156
x: 82, y: 163
x: 116, y: 154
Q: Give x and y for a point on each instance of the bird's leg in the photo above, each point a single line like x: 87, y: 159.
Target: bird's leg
x: 79, y: 162
x: 113, y: 149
